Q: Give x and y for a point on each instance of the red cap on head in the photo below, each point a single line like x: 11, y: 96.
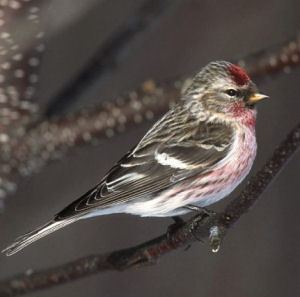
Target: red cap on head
x: 238, y: 75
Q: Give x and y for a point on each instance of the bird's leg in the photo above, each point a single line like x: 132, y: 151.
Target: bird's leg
x: 200, y: 210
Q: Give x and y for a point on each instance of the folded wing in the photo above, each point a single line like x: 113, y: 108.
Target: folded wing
x: 177, y: 148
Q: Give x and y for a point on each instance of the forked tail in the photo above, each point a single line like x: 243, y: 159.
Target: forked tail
x: 28, y: 238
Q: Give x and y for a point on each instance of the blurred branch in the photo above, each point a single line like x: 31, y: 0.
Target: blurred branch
x: 108, y: 58
x: 266, y: 62
x: 199, y: 227
x: 21, y: 48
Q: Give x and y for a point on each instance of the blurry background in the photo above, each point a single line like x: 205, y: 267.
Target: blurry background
x: 260, y: 255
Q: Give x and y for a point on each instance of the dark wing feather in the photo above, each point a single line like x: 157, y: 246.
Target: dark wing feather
x: 196, y: 145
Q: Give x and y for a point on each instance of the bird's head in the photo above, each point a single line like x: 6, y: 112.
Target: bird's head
x: 225, y: 89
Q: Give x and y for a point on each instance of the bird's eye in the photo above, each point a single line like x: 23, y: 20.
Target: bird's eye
x: 231, y: 92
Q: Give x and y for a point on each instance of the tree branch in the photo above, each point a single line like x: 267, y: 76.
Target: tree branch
x: 199, y: 227
x: 108, y: 57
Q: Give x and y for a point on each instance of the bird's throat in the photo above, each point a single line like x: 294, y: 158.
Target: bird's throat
x: 243, y: 114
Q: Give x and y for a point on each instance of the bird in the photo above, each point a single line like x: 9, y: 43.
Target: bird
x: 193, y: 156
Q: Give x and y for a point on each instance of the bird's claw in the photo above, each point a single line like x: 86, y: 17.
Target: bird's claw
x: 203, y: 213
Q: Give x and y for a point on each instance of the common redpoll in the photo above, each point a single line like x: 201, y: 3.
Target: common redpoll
x: 195, y: 155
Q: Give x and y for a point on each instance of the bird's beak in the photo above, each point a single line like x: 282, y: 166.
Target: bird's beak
x: 257, y: 97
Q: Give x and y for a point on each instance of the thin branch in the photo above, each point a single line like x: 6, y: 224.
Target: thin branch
x: 199, y: 227
x: 108, y: 57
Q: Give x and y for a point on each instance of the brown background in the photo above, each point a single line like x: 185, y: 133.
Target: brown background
x: 260, y: 256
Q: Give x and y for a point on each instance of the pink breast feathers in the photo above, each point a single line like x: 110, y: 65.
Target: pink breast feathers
x: 238, y: 75
x: 243, y: 115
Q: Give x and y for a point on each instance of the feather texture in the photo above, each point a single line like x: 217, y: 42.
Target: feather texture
x: 28, y: 238
x: 197, y: 153
x: 177, y: 148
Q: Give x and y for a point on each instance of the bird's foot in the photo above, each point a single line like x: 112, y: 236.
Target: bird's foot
x: 202, y: 214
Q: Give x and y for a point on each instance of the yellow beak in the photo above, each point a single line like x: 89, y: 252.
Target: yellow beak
x: 257, y: 97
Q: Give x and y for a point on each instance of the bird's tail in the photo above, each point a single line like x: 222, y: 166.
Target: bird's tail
x: 28, y: 238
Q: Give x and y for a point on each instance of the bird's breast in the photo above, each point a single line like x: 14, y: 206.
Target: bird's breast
x: 208, y: 187
x: 242, y: 152
x: 230, y: 171
x: 222, y: 179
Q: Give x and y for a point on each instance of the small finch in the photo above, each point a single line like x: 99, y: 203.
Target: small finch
x: 195, y: 155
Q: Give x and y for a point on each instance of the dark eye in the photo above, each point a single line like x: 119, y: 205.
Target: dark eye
x: 231, y: 92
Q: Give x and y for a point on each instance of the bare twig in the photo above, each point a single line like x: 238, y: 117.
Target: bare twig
x: 108, y: 58
x: 212, y: 227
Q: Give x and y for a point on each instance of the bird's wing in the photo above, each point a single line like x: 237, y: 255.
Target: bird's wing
x: 177, y: 147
